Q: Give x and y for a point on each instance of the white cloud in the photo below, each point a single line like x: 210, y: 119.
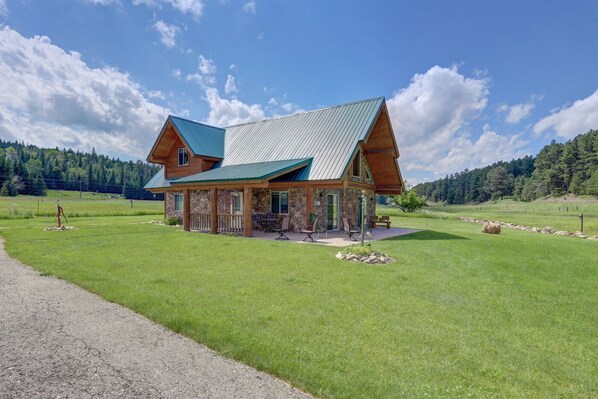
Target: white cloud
x: 231, y: 86
x: 193, y: 7
x: 156, y: 94
x: 431, y: 119
x: 249, y: 7
x: 102, y: 2
x: 225, y: 112
x: 176, y: 73
x: 167, y: 32
x: 205, y: 75
x: 487, y: 149
x: 517, y: 112
x: 3, y: 8
x: 569, y: 121
x: 53, y: 98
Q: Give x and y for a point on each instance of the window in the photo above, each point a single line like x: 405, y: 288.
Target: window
x: 183, y: 157
x: 178, y: 202
x: 236, y: 206
x: 357, y: 164
x: 280, y: 201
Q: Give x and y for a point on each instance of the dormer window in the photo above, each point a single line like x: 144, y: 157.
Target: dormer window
x: 357, y: 164
x: 183, y: 157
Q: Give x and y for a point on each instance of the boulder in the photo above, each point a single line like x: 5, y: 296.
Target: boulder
x: 491, y: 228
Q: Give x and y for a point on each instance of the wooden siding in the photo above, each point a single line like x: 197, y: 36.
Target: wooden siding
x: 172, y: 168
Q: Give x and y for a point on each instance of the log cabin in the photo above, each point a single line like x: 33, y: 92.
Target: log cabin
x: 322, y: 163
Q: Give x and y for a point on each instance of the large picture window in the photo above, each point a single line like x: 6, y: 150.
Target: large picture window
x: 280, y: 201
x: 357, y: 164
x: 183, y: 157
x: 178, y: 202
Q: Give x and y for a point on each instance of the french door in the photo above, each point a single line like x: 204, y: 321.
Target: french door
x: 332, y: 207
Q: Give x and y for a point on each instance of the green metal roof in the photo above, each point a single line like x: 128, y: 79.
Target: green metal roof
x: 201, y: 139
x: 158, y: 181
x: 250, y: 171
x: 329, y: 136
x: 259, y: 150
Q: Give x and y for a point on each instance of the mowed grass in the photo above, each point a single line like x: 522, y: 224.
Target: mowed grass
x: 558, y: 213
x: 459, y: 314
x: 89, y: 204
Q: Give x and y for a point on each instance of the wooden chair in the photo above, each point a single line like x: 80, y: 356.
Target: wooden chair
x: 381, y: 220
x: 313, y: 230
x: 350, y: 232
x: 284, y: 228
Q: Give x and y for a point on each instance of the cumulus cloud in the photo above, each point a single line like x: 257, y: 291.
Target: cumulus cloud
x: 50, y: 97
x: 517, y: 112
x: 206, y: 71
x: 569, y: 121
x: 431, y: 119
x: 231, y: 86
x: 193, y: 7
x: 249, y: 7
x: 167, y: 33
x: 224, y: 112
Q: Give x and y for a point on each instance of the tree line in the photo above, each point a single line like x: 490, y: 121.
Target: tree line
x: 30, y: 170
x: 558, y: 169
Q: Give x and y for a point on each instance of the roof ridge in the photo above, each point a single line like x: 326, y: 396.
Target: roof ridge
x: 195, y: 122
x: 308, y: 112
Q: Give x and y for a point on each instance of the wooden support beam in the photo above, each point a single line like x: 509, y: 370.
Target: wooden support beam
x: 214, y: 210
x: 309, y: 201
x: 187, y: 210
x: 247, y: 211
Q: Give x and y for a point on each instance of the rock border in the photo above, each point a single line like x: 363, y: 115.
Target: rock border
x: 374, y: 258
x: 545, y: 230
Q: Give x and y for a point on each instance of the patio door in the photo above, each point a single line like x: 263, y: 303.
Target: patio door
x: 332, y: 207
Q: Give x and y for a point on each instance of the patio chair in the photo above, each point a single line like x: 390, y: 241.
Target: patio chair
x: 313, y: 230
x: 284, y: 228
x: 350, y: 232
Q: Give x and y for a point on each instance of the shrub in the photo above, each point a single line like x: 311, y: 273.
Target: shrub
x: 172, y: 221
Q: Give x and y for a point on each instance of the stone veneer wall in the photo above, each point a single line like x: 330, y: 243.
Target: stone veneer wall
x: 170, y: 212
x: 200, y: 201
x: 353, y: 195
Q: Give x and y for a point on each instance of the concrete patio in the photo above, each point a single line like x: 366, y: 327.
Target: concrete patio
x: 337, y: 238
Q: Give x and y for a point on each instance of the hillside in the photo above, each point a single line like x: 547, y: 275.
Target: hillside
x: 558, y: 169
x: 30, y: 170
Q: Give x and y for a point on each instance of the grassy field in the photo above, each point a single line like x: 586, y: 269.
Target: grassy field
x: 460, y: 314
x: 558, y: 213
x: 89, y: 204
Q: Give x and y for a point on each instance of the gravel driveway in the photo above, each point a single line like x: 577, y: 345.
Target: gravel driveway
x: 60, y: 341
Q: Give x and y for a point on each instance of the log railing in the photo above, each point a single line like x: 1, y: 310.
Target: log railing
x: 230, y: 224
x: 226, y: 223
x: 200, y: 222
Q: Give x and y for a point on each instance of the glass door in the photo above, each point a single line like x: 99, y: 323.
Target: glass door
x: 332, y: 207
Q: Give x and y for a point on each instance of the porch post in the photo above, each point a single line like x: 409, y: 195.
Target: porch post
x: 247, y: 211
x: 186, y: 210
x: 309, y: 204
x: 214, y: 210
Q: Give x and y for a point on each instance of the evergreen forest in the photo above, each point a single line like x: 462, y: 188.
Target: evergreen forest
x: 30, y: 170
x: 558, y: 169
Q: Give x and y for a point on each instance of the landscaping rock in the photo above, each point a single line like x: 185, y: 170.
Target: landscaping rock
x: 491, y: 228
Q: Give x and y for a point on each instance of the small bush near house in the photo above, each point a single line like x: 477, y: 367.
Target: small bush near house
x: 172, y: 221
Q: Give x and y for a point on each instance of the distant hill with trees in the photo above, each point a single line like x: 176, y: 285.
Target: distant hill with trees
x: 30, y: 170
x: 558, y: 169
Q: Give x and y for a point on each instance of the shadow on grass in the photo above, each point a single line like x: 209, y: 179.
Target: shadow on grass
x: 425, y: 235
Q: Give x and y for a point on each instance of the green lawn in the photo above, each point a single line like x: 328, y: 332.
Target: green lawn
x: 89, y: 204
x: 459, y: 314
x: 558, y: 213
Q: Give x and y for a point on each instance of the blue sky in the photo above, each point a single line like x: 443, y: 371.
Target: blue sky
x: 467, y: 83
